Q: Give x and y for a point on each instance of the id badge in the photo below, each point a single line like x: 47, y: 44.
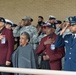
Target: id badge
x: 52, y: 47
x: 3, y: 41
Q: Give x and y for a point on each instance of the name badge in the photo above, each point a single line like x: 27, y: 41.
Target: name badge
x: 3, y: 41
x: 52, y: 47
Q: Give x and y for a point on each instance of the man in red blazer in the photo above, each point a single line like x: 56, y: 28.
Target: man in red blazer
x: 6, y: 44
x: 53, y: 55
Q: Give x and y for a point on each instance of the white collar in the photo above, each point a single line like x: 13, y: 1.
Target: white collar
x: 75, y: 35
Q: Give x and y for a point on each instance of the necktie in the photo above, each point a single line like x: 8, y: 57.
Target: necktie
x: 73, y: 36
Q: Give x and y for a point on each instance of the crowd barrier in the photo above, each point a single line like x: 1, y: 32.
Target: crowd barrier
x: 35, y: 71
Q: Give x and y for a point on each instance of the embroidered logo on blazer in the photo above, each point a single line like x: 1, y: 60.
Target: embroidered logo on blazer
x: 66, y: 41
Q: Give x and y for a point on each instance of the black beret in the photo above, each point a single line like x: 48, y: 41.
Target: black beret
x: 40, y: 17
x: 58, y: 22
x: 2, y: 19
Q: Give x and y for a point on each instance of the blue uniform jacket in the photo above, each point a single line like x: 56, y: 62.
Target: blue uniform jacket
x: 70, y: 46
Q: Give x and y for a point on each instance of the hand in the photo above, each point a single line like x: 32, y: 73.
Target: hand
x: 21, y: 23
x: 49, y: 41
x: 39, y: 30
x: 64, y: 29
x: 46, y: 57
x: 8, y: 63
x: 67, y: 23
x: 1, y: 36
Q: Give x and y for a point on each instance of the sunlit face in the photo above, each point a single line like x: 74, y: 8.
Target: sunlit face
x: 13, y: 28
x: 23, y: 40
x: 39, y: 19
x: 73, y: 28
x: 58, y: 25
x: 44, y: 29
x: 1, y: 24
x: 22, y: 23
x: 52, y: 21
x: 27, y: 22
x: 49, y: 30
x: 8, y: 26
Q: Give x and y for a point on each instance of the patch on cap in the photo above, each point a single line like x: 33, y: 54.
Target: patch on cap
x: 2, y: 19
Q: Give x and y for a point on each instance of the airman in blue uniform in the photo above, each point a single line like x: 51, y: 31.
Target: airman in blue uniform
x: 69, y: 41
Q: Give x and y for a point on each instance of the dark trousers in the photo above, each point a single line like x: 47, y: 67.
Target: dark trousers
x: 4, y: 73
x: 43, y: 64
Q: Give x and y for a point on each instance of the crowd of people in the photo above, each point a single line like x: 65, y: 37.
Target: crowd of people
x: 42, y: 46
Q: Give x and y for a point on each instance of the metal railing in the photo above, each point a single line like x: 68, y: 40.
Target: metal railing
x: 35, y: 71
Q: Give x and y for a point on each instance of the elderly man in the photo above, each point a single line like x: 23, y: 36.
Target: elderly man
x: 47, y: 49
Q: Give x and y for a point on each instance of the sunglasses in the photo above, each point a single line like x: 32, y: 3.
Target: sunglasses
x: 44, y: 27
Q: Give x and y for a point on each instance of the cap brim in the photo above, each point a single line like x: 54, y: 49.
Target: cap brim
x: 73, y: 23
x: 2, y: 21
x: 51, y: 18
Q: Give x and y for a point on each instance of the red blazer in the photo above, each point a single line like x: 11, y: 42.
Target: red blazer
x: 7, y: 48
x: 55, y: 55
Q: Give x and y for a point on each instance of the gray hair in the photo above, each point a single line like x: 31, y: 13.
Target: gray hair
x: 27, y: 35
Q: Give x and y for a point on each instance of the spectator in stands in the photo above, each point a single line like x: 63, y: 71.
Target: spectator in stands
x: 51, y: 19
x: 40, y: 28
x: 47, y: 50
x: 67, y: 31
x: 41, y: 32
x: 58, y: 24
x: 16, y: 39
x: 40, y: 20
x: 6, y: 45
x: 26, y: 27
x: 24, y: 57
x: 13, y: 26
x: 8, y: 24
